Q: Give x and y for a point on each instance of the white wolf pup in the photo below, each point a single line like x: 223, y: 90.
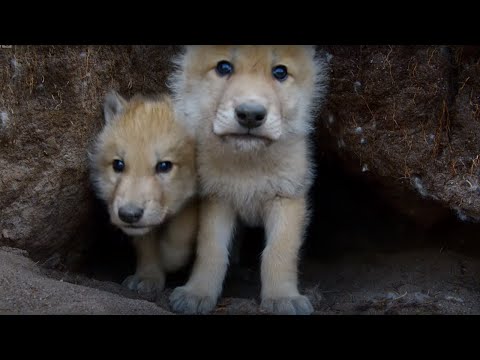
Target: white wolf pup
x: 251, y: 109
x: 143, y: 167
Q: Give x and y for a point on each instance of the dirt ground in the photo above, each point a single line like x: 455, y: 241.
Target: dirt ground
x: 412, y: 282
x: 428, y: 281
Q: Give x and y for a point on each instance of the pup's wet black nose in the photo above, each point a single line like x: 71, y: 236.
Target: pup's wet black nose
x: 251, y: 115
x: 130, y: 213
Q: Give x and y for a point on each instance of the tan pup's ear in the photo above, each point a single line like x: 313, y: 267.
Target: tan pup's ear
x: 113, y: 106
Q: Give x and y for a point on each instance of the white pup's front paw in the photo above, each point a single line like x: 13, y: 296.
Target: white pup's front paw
x: 145, y: 284
x: 290, y: 305
x: 186, y: 301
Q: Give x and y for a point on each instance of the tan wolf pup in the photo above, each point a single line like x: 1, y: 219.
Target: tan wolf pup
x: 143, y: 167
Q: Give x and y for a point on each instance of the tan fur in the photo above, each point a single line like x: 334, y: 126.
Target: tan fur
x: 262, y: 179
x: 143, y: 132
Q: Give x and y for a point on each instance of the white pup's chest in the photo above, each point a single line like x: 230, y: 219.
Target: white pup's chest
x: 249, y: 192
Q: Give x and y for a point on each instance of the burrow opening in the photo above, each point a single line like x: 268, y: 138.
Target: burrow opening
x: 353, y: 225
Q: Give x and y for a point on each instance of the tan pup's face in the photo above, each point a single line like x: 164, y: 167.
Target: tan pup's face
x: 248, y: 96
x: 143, y: 165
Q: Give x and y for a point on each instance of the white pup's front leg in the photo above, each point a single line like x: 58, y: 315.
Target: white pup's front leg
x: 284, y: 229
x: 200, y: 294
x: 149, y: 276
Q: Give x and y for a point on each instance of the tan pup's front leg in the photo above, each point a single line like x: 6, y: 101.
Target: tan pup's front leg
x: 149, y: 276
x: 284, y: 229
x: 200, y: 294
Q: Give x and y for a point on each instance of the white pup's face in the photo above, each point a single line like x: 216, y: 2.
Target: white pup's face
x: 249, y: 96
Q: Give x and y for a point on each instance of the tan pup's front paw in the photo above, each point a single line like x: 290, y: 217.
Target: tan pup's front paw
x: 145, y: 284
x: 186, y: 301
x: 291, y: 305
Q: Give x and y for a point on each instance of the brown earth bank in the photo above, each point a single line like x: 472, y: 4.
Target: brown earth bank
x: 397, y: 151
x: 408, y: 116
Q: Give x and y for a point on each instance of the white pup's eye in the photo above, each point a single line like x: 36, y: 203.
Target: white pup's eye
x: 280, y: 72
x: 224, y: 68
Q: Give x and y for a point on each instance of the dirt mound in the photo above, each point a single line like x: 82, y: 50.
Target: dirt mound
x: 28, y: 289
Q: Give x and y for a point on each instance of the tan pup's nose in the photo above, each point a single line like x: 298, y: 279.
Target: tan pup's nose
x: 130, y: 213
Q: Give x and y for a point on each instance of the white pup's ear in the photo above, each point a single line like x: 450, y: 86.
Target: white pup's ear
x: 311, y: 49
x: 113, y: 106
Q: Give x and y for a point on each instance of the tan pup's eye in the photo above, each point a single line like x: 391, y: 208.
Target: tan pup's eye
x: 163, y: 167
x: 118, y: 165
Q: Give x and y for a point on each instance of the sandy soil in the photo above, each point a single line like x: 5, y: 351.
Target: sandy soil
x: 427, y: 281
x: 25, y: 288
